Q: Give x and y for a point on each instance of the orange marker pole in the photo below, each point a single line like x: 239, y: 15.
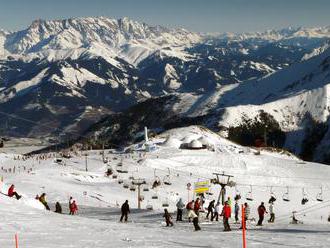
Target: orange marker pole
x: 16, y: 240
x: 243, y: 226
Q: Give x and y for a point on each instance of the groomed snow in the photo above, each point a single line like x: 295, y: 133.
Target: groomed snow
x: 99, y: 197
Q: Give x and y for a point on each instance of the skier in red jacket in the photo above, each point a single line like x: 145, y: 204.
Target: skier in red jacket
x: 12, y: 192
x: 261, y: 212
x: 197, y: 206
x: 73, y: 208
x: 226, y: 213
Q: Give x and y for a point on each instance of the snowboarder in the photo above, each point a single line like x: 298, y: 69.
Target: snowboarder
x: 42, y: 199
x: 168, y: 218
x: 246, y: 214
x: 272, y: 214
x: 12, y: 192
x: 261, y: 212
x: 236, y: 209
x: 73, y: 208
x: 124, y: 211
x: 226, y: 213
x: 197, y: 206
x: 210, y: 209
x: 216, y: 212
x: 58, y: 208
x: 180, y: 206
x: 192, y: 215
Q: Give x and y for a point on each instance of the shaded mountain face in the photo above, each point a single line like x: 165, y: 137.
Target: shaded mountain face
x: 68, y: 74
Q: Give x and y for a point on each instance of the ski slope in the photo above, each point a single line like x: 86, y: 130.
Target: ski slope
x: 99, y: 197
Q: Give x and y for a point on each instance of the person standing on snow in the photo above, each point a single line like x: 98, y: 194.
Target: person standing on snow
x: 58, y: 208
x: 192, y: 215
x: 12, y: 192
x: 190, y: 206
x: 124, y: 211
x: 246, y: 214
x: 42, y: 199
x: 168, y: 218
x: 216, y: 212
x: 197, y: 206
x: 210, y: 209
x: 226, y: 212
x: 180, y: 206
x: 261, y: 212
x: 73, y: 208
x: 236, y: 209
x: 272, y: 214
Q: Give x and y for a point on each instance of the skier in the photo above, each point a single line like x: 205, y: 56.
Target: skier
x: 124, y: 211
x: 70, y: 202
x: 58, y: 208
x: 180, y: 206
x: 226, y: 213
x: 197, y: 206
x: 168, y: 218
x: 193, y: 215
x: 236, y: 208
x: 272, y: 214
x: 210, y: 209
x: 216, y: 212
x: 246, y: 214
x: 42, y: 199
x: 229, y: 201
x: 261, y: 212
x: 190, y: 206
x: 12, y: 192
x: 73, y: 208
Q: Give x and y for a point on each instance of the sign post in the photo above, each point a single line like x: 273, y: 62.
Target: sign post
x: 243, y: 226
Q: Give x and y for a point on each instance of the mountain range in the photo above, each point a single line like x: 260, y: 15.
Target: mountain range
x: 65, y: 75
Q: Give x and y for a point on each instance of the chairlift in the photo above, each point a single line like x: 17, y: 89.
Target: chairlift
x: 154, y: 196
x: 285, y: 196
x: 237, y: 194
x: 272, y: 196
x: 165, y: 204
x: 319, y: 196
x: 146, y: 188
x: 167, y: 180
x: 126, y: 185
x: 149, y: 206
x: 249, y: 195
x: 132, y: 187
x: 304, y: 199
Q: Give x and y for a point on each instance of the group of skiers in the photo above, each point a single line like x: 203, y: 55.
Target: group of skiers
x: 213, y: 212
x: 42, y: 198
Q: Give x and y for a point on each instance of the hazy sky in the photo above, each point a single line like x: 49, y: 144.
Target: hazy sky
x: 196, y: 15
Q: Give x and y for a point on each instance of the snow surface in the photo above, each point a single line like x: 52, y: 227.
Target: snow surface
x: 99, y: 197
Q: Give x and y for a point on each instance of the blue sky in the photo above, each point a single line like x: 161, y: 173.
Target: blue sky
x: 195, y: 15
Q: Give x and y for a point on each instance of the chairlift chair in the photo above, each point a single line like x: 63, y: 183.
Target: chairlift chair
x: 132, y: 188
x: 304, y: 199
x: 285, y: 196
x: 249, y: 195
x: 167, y: 180
x: 154, y: 196
x: 126, y: 185
x: 272, y: 196
x: 149, y: 206
x: 237, y: 194
x: 319, y: 196
x: 165, y: 204
x: 146, y: 188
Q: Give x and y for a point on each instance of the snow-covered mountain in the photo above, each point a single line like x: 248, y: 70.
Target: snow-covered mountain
x: 72, y: 73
